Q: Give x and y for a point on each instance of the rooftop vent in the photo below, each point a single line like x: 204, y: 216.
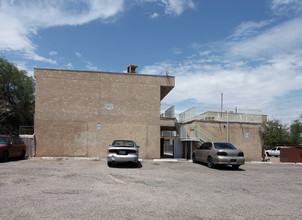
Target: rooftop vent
x: 132, y: 68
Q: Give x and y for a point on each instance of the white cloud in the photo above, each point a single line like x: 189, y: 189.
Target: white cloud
x: 177, y: 7
x: 20, y: 20
x: 280, y: 39
x: 33, y: 56
x: 172, y: 7
x: 248, y: 29
x: 154, y: 15
x: 176, y: 51
x: 21, y: 65
x: 90, y: 66
x: 69, y: 66
x: 246, y: 81
x: 17, y: 28
x: 286, y: 7
x: 53, y: 53
x: 78, y: 54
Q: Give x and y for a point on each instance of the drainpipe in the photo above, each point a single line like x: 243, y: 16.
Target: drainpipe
x: 221, y: 106
x: 227, y: 127
x: 186, y: 154
x: 191, y: 149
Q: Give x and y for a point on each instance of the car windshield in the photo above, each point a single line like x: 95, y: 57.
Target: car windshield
x: 221, y: 146
x: 3, y: 140
x: 123, y: 143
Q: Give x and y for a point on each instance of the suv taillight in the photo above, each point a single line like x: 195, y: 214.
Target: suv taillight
x: 111, y: 151
x: 132, y: 151
x: 222, y: 153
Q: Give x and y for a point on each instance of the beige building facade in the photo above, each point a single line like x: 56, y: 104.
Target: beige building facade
x: 79, y: 113
x: 243, y: 130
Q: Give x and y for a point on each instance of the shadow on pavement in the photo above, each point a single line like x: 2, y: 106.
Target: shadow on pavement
x: 127, y: 165
x: 223, y: 167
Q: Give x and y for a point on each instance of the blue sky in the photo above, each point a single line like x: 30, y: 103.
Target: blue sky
x: 249, y: 50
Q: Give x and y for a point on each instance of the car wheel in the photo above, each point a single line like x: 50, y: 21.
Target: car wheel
x: 235, y: 167
x: 109, y: 164
x: 268, y: 154
x: 210, y: 162
x: 5, y: 156
x: 194, y: 158
x: 22, y: 155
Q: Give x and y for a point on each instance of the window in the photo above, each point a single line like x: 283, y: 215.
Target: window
x: 221, y: 146
x: 210, y: 118
x: 3, y: 140
x: 123, y: 143
x: 207, y: 146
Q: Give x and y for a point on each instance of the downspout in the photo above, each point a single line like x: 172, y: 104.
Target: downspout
x: 191, y: 150
x: 227, y: 127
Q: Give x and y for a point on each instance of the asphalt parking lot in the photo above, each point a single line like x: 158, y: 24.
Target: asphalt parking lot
x: 82, y: 189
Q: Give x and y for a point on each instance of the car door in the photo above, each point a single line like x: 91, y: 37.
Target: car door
x: 19, y: 146
x: 207, y: 151
x: 275, y: 151
x: 12, y: 150
x: 203, y: 152
x: 272, y: 151
x: 198, y: 153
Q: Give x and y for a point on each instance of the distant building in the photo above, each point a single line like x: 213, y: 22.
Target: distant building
x: 79, y: 113
x: 242, y: 128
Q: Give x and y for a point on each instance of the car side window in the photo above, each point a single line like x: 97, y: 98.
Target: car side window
x: 201, y: 147
x: 207, y: 146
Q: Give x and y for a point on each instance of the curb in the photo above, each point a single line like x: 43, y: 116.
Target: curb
x: 282, y: 163
x: 165, y: 160
x: 70, y: 158
x: 259, y: 162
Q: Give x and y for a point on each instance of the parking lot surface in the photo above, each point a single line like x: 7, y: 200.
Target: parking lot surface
x: 81, y: 189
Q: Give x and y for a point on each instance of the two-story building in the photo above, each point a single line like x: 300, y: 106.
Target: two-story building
x: 79, y: 113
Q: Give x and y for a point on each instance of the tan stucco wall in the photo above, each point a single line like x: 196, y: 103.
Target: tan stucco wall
x: 70, y: 105
x: 244, y: 136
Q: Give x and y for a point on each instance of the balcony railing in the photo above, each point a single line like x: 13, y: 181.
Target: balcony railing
x: 228, y: 115
x: 167, y: 111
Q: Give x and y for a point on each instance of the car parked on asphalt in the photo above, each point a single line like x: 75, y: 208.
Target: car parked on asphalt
x: 121, y: 151
x: 11, y: 147
x: 274, y: 151
x: 214, y: 153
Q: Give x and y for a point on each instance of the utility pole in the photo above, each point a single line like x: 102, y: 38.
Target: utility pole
x: 221, y: 106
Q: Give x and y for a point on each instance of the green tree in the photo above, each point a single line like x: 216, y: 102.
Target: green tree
x: 275, y: 133
x: 296, y: 131
x: 16, y: 97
